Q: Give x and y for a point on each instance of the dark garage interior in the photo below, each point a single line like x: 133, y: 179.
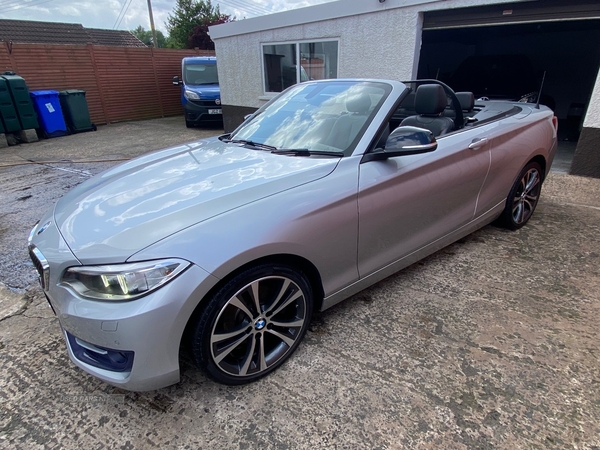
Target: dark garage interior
x: 475, y: 49
x: 567, y: 51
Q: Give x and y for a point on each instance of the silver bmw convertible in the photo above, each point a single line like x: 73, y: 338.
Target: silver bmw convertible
x: 225, y: 247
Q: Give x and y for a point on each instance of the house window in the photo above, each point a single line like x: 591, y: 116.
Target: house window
x: 291, y: 63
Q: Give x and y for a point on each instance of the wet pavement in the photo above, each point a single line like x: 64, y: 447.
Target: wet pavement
x: 491, y: 342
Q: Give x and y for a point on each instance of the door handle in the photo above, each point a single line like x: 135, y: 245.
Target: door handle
x: 478, y: 143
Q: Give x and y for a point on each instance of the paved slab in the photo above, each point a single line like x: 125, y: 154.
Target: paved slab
x: 491, y: 342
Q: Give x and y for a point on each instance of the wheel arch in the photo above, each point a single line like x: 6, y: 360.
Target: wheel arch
x: 505, y: 219
x: 307, y: 267
x: 541, y: 161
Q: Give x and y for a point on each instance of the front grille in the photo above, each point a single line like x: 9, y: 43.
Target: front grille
x: 36, y: 262
x: 41, y: 265
x: 207, y: 103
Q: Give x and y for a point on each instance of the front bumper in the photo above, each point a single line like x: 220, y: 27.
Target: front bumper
x: 150, y: 328
x: 132, y: 344
x: 199, y: 111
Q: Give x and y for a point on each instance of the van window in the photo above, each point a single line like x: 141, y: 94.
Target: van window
x: 197, y: 74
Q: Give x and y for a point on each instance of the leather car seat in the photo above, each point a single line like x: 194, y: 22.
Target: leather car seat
x: 430, y: 103
x: 467, y: 104
x: 466, y: 100
x: 347, y: 126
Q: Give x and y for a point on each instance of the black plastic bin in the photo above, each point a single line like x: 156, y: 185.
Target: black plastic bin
x: 22, y: 102
x: 8, y: 114
x: 75, y: 109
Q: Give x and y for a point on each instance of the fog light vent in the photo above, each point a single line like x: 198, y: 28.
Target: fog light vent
x: 101, y: 357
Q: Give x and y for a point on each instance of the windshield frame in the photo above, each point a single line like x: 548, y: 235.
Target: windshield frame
x: 362, y: 87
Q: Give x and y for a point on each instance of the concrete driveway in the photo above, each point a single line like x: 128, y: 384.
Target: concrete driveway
x: 491, y: 342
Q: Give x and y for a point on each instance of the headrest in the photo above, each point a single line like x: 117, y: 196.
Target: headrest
x: 430, y: 99
x: 466, y: 99
x: 359, y: 104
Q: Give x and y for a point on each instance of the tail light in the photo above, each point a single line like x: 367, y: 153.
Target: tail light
x: 555, y: 122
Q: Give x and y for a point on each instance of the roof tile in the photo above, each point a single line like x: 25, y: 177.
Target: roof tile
x: 32, y: 32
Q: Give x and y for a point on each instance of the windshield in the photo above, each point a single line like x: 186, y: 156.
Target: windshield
x: 329, y: 116
x: 196, y: 74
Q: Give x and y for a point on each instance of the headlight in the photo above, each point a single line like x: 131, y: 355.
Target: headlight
x: 32, y: 232
x: 191, y: 95
x: 122, y: 281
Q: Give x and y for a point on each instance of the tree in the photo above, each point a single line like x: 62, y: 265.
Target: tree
x: 200, y: 38
x: 146, y: 37
x: 188, y: 25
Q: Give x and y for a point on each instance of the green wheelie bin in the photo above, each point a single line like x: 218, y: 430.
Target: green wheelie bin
x: 22, y: 102
x: 76, y: 112
x: 8, y: 113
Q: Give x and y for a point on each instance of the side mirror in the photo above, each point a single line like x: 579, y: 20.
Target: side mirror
x: 404, y: 141
x: 176, y: 81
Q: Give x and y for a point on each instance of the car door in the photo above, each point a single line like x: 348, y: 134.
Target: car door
x: 407, y: 202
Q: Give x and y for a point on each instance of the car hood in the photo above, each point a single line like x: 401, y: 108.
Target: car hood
x: 119, y: 212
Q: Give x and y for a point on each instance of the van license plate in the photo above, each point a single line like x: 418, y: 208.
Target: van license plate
x: 215, y: 111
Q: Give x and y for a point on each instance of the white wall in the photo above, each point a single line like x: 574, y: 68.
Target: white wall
x: 362, y: 51
x: 592, y: 118
x: 383, y: 43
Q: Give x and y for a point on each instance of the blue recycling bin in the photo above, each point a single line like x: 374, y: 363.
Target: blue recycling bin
x: 47, y: 106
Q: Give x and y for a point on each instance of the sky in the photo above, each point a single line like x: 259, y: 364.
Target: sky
x: 128, y: 14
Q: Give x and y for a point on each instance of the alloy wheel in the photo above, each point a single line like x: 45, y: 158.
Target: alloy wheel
x: 526, y: 196
x: 258, y: 326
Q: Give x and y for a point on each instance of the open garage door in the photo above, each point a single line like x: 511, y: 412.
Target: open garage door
x: 511, y: 13
x: 503, y: 50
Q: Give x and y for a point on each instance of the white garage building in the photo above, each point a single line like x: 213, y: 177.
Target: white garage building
x: 490, y: 47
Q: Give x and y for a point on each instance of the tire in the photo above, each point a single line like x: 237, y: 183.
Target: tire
x: 237, y: 340
x: 523, y: 197
x: 189, y: 124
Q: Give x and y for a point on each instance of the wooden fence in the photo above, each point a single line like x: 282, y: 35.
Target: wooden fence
x: 121, y: 83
